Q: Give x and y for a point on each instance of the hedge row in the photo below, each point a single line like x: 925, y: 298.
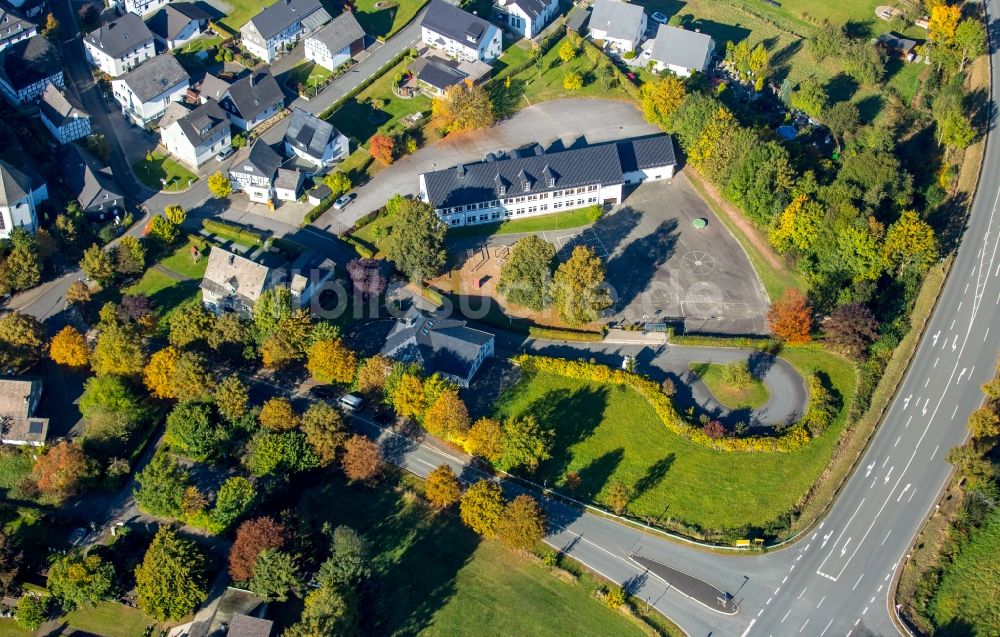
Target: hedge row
x: 239, y: 234
x: 399, y: 57
x: 792, y: 439
x: 743, y: 342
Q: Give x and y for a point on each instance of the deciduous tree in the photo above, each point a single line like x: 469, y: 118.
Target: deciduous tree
x: 525, y: 443
x: 810, y: 98
x: 77, y: 293
x: 447, y: 417
x: 174, y: 214
x: 407, y: 396
x: 367, y: 277
x: 235, y: 497
x: 189, y: 323
x: 325, y: 431
x: 943, y: 23
x: 327, y: 611
x: 799, y: 226
x: 463, y: 107
x: 572, y: 81
x: 171, y: 580
x: 69, y: 347
x: 526, y: 277
x: 362, y: 459
x: 417, y: 249
x: 192, y: 377
x: 190, y: 431
x: 567, y: 52
x: 909, y: 243
x: 79, y: 579
x: 661, y: 99
x: 32, y: 610
x: 97, y: 264
x: 443, y: 488
x: 373, y: 372
x: 277, y: 414
x: 984, y: 423
x: 332, y: 362
x: 337, y: 182
x: 348, y: 561
x: 522, y: 525
x: 271, y: 452
x: 118, y: 351
x: 381, y: 148
x: 161, y: 486
x: 485, y: 439
x: 22, y: 340
x: 851, y: 328
x: 482, y: 507
x: 275, y: 575
x: 159, y: 229
x: 578, y: 287
x: 790, y: 318
x: 232, y: 397
x: 252, y: 538
x: 62, y: 471
x: 970, y: 40
x: 129, y: 255
x: 158, y: 374
x: 219, y: 185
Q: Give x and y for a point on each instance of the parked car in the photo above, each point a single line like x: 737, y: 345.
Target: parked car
x: 225, y: 153
x: 343, y: 200
x: 322, y: 392
x: 659, y: 17
x: 350, y: 402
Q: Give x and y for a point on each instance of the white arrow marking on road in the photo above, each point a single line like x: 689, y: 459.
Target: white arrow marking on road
x: 906, y: 401
x: 825, y: 538
x: 954, y: 343
x: 962, y: 373
x: 925, y: 406
x: 843, y: 551
x: 905, y: 489
x: 938, y: 333
x: 869, y: 469
x: 890, y: 473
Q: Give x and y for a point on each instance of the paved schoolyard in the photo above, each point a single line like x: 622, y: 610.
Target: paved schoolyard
x: 662, y: 268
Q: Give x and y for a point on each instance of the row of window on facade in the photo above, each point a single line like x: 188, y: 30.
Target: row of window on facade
x: 516, y: 200
x: 504, y: 214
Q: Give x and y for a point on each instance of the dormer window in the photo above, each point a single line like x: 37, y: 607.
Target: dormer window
x: 501, y: 189
x: 526, y: 186
x: 552, y: 182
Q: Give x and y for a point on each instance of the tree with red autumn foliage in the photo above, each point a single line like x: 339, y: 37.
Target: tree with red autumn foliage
x: 253, y: 538
x: 362, y: 459
x: 714, y: 429
x: 62, y: 471
x: 381, y: 148
x: 791, y: 318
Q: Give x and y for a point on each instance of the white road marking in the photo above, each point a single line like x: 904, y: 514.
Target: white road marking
x: 934, y: 453
x: 886, y: 537
x: 857, y: 582
x: 802, y: 593
x: 888, y: 476
x: 908, y: 422
x: 927, y: 382
x: 787, y: 613
x: 885, y: 462
x: 905, y: 489
x: 826, y: 629
x: 987, y: 335
x: 776, y: 590
x: 966, y: 289
x: 954, y: 412
x: 821, y: 602
x: 760, y: 612
x: 952, y: 324
x: 880, y: 587
x: 768, y: 603
x: 897, y: 441
x: 804, y: 626
x: 936, y: 361
x: 910, y: 499
x: 747, y: 631
x: 785, y: 579
x: 843, y: 551
x: 865, y: 611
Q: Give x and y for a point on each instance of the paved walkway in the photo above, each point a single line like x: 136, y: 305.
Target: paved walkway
x: 688, y: 585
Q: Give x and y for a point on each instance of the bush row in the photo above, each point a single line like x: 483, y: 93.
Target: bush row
x: 236, y: 232
x: 791, y: 439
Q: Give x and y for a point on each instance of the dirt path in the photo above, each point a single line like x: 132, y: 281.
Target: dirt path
x: 736, y: 217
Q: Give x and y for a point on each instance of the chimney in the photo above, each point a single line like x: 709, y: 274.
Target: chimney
x: 460, y: 169
x: 252, y: 78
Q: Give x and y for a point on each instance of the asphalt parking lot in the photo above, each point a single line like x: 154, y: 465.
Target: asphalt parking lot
x: 664, y: 269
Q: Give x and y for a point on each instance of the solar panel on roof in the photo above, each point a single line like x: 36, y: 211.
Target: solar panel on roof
x: 34, y: 427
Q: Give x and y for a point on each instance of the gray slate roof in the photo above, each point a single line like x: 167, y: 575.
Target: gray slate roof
x: 897, y: 42
x: 87, y: 180
x: 340, y: 33
x: 14, y: 184
x: 680, y: 47
x: 577, y: 19
x: 255, y: 93
x: 603, y: 164
x: 169, y: 21
x: 18, y: 424
x: 284, y: 13
x: 213, y: 87
x: 246, y: 626
x: 309, y: 133
x: 229, y: 274
x: 257, y: 159
x: 155, y: 76
x: 288, y: 179
x: 204, y: 123
x: 532, y: 8
x: 441, y: 344
x: 58, y: 106
x: 619, y: 19
x: 12, y: 23
x: 437, y: 73
x: 29, y: 61
x: 121, y: 35
x: 450, y: 21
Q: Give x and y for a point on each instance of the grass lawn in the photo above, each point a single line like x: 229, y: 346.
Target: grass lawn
x: 965, y: 600
x: 359, y: 120
x: 557, y: 221
x: 15, y: 463
x: 181, y: 261
x: 542, y: 83
x: 307, y: 73
x: 754, y: 396
x: 382, y: 18
x: 436, y: 577
x: 187, y: 54
x: 110, y: 619
x: 160, y: 167
x: 240, y: 12
x: 607, y: 433
x: 165, y: 292
x: 9, y: 628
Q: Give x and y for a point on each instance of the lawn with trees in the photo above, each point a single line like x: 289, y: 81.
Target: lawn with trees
x: 732, y: 385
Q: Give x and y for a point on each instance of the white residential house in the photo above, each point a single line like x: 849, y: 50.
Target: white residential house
x: 288, y: 184
x: 527, y: 18
x: 91, y: 184
x: 120, y: 45
x: 440, y: 344
x: 535, y: 183
x: 618, y: 24
x: 27, y: 68
x: 15, y: 26
x: 336, y: 43
x: 253, y: 171
x: 145, y: 92
x: 20, y: 194
x: 280, y: 25
x: 233, y: 283
x: 64, y: 118
x: 459, y: 34
x: 19, y: 398
x: 178, y: 23
x: 681, y: 51
x: 315, y: 140
x: 250, y: 101
x: 195, y: 136
x: 143, y: 8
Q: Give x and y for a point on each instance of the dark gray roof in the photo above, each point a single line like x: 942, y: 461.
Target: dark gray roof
x: 897, y: 42
x: 283, y: 14
x: 206, y: 122
x: 121, y: 35
x: 619, y: 19
x: 531, y: 8
x: 29, y: 61
x: 288, y: 179
x: 12, y: 23
x: 86, y: 180
x: 577, y: 19
x: 257, y: 159
x: 437, y: 73
x: 255, y: 93
x: 441, y: 344
x: 58, y: 106
x: 309, y: 133
x: 14, y: 184
x: 169, y: 21
x: 246, y: 626
x: 450, y: 21
x: 647, y: 153
x: 340, y: 33
x: 155, y: 76
x: 680, y: 47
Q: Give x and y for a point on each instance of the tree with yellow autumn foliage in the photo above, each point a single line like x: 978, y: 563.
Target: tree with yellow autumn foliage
x: 69, y: 347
